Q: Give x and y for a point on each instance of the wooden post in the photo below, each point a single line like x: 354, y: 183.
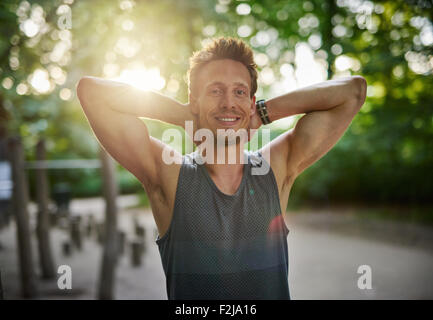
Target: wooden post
x: 121, y: 242
x: 43, y: 226
x: 66, y: 248
x: 75, y: 232
x: 20, y: 205
x: 109, y: 259
x: 100, y: 228
x: 140, y: 231
x: 90, y: 227
x: 136, y: 252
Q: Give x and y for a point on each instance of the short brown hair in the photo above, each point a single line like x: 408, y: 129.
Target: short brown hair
x: 224, y: 48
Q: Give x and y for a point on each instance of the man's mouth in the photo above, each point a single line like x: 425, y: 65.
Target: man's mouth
x: 228, y: 121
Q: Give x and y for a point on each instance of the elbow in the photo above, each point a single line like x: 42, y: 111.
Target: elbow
x: 83, y: 89
x: 360, y: 90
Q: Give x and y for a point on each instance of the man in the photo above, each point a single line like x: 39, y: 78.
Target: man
x: 221, y: 229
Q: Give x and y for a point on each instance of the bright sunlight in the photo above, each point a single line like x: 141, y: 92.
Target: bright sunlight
x: 142, y: 78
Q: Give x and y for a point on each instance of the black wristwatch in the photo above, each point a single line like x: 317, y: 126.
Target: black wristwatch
x: 263, y: 111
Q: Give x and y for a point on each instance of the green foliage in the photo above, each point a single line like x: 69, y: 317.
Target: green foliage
x: 386, y: 154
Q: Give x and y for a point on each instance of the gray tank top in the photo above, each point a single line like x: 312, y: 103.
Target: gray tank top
x: 221, y: 246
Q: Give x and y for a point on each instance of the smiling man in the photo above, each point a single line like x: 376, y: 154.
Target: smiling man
x: 221, y: 229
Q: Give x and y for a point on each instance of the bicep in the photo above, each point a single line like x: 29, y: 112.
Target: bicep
x: 316, y: 133
x: 126, y: 139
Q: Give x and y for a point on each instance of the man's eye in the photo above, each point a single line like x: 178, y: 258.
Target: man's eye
x: 216, y: 91
x: 241, y: 92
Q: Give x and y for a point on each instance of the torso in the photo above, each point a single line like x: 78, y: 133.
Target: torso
x: 211, y: 247
x: 162, y: 198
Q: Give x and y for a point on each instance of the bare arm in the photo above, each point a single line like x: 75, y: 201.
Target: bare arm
x: 149, y: 104
x: 318, y: 97
x: 113, y: 108
x: 329, y: 106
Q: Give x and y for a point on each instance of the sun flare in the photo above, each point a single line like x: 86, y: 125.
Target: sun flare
x: 144, y: 79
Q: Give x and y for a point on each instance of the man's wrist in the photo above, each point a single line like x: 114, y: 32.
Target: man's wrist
x: 263, y: 112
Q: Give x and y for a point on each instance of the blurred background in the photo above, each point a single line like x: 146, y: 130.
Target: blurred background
x: 63, y: 201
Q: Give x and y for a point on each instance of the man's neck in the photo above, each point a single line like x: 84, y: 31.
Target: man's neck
x: 228, y: 161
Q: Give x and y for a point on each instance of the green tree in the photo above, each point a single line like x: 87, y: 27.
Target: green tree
x: 385, y: 156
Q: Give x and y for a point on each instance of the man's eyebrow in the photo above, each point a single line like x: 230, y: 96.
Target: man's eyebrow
x: 241, y: 84
x: 220, y: 83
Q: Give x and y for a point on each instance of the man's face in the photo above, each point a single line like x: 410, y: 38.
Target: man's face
x: 222, y: 96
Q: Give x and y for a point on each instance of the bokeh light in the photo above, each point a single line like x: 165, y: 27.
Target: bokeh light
x: 142, y: 78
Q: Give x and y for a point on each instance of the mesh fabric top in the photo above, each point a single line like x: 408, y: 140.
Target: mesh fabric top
x: 221, y: 246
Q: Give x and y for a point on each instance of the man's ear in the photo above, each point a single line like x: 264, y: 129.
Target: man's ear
x: 193, y: 105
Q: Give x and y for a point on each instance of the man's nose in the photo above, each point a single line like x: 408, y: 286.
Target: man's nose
x: 228, y: 101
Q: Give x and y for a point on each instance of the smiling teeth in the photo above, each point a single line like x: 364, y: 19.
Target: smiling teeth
x: 227, y: 119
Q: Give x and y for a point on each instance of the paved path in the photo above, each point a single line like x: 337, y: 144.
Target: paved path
x: 323, y: 263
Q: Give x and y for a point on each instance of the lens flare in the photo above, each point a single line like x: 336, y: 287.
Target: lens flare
x: 144, y: 79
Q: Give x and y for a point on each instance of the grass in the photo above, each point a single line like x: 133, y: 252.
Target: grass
x: 416, y: 214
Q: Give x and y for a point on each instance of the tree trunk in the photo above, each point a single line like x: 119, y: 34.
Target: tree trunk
x: 328, y: 38
x: 109, y: 259
x: 43, y: 227
x: 20, y: 205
